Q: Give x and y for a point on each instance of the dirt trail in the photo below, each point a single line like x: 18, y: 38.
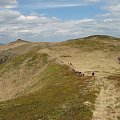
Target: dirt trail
x: 107, y: 100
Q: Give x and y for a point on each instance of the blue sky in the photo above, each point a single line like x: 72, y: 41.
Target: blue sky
x: 58, y: 20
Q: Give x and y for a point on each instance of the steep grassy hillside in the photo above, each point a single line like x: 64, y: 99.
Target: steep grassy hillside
x: 37, y: 80
x: 19, y: 73
x: 43, y: 89
x: 63, y: 95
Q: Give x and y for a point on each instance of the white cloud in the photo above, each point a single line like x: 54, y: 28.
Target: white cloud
x: 8, y: 6
x: 41, y: 4
x: 27, y: 18
x: 8, y: 15
x: 108, y: 20
x: 93, y: 0
x: 61, y: 5
x: 8, y: 3
x: 14, y: 24
x: 114, y: 7
x: 53, y: 5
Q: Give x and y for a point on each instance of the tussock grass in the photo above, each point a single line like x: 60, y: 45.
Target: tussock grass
x: 94, y: 43
x: 61, y: 98
x: 116, y: 79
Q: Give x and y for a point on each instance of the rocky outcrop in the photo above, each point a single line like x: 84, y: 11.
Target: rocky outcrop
x: 6, y: 55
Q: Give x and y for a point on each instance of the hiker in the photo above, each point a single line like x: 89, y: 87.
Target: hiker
x: 83, y: 74
x: 93, y: 74
x: 73, y: 70
x: 80, y: 73
x: 118, y: 59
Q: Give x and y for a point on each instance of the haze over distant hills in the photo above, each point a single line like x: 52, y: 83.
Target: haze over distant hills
x: 1, y: 44
x: 43, y: 80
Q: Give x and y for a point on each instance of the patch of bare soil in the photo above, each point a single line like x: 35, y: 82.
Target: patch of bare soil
x: 107, y: 102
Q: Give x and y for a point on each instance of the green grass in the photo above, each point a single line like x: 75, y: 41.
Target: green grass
x: 91, y: 44
x: 116, y: 79
x: 61, y: 98
x: 61, y: 95
x: 31, y: 59
x: 36, y: 58
x: 85, y: 45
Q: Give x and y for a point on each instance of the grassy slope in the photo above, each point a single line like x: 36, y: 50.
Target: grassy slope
x: 116, y: 79
x: 62, y: 97
x: 93, y: 43
x: 60, y: 94
x: 19, y: 73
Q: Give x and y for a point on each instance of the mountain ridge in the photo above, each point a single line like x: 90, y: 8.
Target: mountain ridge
x: 54, y: 81
x: 82, y: 38
x: 19, y: 41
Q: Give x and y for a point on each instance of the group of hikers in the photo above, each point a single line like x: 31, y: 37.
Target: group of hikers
x: 80, y: 73
x: 77, y: 72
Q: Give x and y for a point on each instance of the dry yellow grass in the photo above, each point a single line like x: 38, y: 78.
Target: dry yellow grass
x: 41, y: 79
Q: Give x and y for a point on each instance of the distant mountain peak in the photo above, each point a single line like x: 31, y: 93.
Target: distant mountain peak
x: 100, y: 36
x: 19, y: 41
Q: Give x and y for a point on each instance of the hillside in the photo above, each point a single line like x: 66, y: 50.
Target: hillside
x: 38, y: 82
